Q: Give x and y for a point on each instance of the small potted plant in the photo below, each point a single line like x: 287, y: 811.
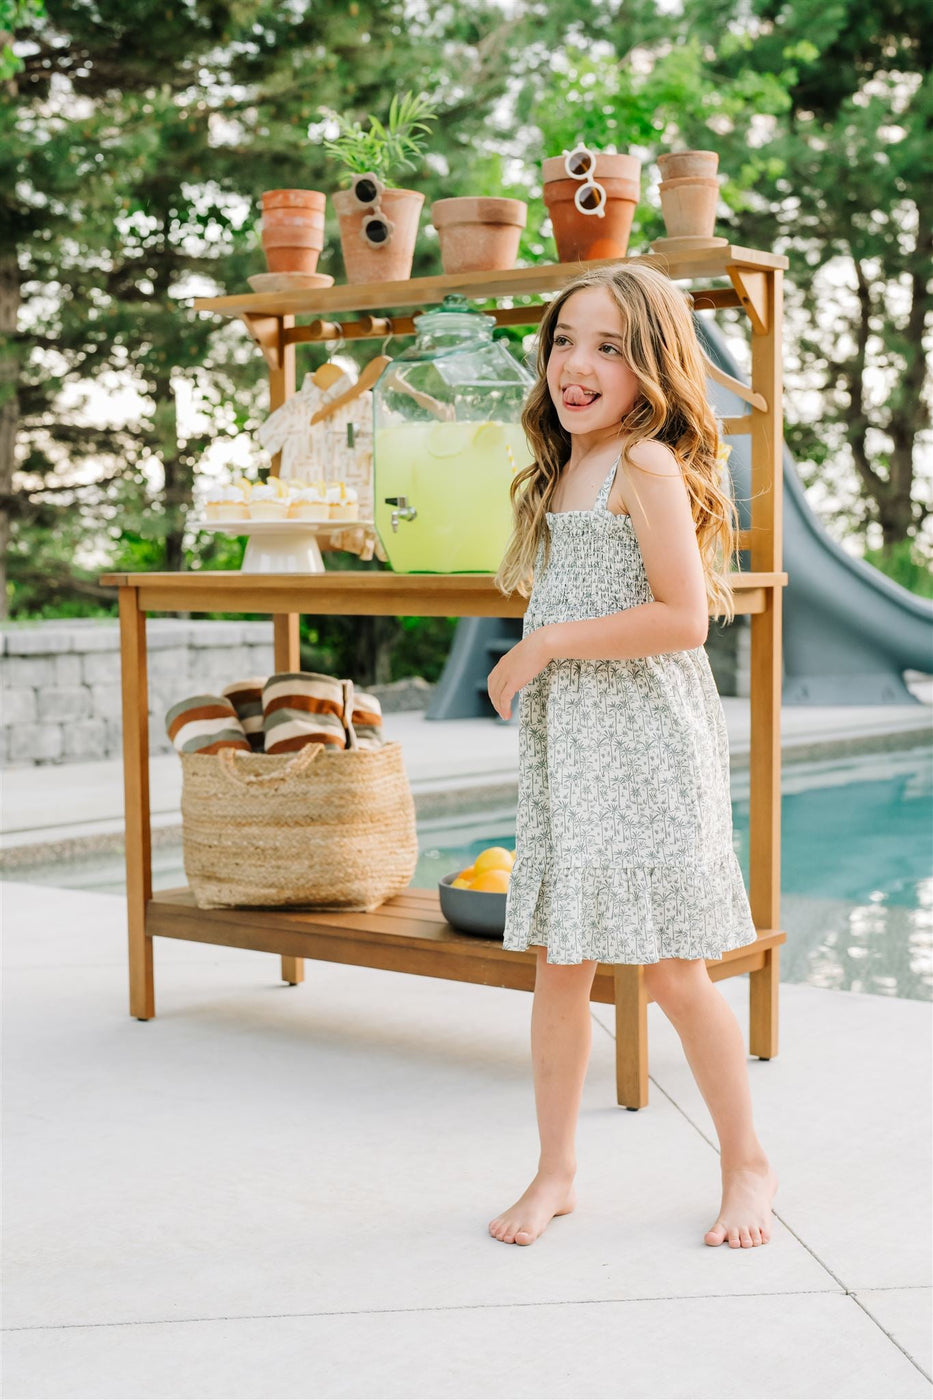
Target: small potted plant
x: 378, y: 222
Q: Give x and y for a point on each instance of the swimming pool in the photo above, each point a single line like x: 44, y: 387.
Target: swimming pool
x: 856, y: 870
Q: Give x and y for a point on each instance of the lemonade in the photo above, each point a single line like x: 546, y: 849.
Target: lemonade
x: 457, y: 476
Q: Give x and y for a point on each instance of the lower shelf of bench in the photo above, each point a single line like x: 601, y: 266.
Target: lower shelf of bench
x: 406, y: 934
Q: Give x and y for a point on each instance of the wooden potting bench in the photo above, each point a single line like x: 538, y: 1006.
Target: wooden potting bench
x: 408, y: 933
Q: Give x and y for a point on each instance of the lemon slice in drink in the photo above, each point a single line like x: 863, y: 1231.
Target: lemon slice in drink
x: 489, y: 437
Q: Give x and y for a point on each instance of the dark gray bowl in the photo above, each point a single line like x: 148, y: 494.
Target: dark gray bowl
x: 472, y: 911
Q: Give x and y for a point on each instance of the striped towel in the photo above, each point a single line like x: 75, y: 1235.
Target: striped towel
x: 205, y: 724
x: 246, y: 699
x: 367, y: 720
x: 302, y: 707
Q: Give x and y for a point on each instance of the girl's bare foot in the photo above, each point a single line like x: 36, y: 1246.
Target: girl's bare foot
x: 745, y: 1215
x: 547, y: 1196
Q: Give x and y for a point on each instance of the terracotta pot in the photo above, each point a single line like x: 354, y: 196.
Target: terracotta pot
x: 388, y: 262
x: 689, y: 207
x: 291, y: 199
x: 293, y: 229
x: 696, y: 165
x: 586, y: 237
x: 478, y: 234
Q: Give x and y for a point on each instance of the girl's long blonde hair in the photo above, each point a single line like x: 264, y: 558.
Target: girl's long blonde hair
x: 660, y: 347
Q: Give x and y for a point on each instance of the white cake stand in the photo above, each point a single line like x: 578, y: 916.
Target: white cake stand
x: 282, y: 546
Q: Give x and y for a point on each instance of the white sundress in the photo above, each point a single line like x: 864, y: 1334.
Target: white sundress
x: 624, y: 840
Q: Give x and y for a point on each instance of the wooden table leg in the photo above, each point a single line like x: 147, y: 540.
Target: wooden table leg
x: 287, y: 654
x: 136, y: 798
x: 763, y: 1006
x: 631, y: 1035
x: 766, y: 682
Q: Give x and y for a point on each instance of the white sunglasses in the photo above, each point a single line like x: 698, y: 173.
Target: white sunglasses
x: 377, y: 228
x: 579, y: 164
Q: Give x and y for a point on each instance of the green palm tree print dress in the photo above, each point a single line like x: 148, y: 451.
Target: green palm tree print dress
x: 624, y: 840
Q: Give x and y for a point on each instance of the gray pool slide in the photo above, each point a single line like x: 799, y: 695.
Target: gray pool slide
x: 849, y: 631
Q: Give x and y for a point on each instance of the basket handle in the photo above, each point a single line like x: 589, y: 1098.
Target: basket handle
x: 302, y: 760
x: 352, y: 742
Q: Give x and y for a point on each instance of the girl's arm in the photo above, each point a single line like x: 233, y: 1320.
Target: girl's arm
x: 678, y: 619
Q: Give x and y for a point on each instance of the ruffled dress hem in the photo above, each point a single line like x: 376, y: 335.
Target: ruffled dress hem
x: 628, y: 913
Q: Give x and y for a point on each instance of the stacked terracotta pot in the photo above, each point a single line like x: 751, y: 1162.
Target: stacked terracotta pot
x: 292, y: 229
x: 689, y: 193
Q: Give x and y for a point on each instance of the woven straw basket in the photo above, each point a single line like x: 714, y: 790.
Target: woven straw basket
x: 321, y: 830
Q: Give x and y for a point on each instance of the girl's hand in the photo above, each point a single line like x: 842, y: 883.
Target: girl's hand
x: 517, y: 668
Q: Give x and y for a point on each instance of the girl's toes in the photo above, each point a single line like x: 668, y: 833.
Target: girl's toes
x: 717, y: 1234
x: 745, y: 1239
x: 755, y: 1234
x: 523, y: 1237
x: 734, y: 1241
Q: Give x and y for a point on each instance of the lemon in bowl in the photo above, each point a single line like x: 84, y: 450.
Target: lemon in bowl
x: 473, y: 899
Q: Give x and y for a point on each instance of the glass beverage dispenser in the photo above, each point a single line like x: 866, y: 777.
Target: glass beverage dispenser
x: 448, y: 441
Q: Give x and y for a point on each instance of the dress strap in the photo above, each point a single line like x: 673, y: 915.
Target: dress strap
x: 602, y: 500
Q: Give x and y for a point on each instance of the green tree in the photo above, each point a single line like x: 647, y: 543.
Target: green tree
x: 135, y: 142
x: 838, y: 179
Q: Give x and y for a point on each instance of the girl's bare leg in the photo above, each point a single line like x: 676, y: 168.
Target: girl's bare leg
x: 715, y: 1051
x: 561, y: 1036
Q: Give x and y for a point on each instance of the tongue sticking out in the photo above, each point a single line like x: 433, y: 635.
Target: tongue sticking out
x: 578, y: 396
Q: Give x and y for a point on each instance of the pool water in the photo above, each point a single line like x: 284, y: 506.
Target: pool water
x: 856, y: 868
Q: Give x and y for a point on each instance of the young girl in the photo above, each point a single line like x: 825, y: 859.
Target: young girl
x: 624, y: 832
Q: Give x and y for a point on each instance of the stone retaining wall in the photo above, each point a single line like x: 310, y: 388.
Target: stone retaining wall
x: 60, y: 681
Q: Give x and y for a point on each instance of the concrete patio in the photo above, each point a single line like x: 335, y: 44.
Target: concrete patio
x: 283, y: 1192
x: 274, y: 1192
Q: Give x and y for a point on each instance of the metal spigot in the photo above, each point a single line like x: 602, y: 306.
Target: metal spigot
x: 403, y: 511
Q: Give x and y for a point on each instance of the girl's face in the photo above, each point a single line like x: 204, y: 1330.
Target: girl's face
x: 591, y: 386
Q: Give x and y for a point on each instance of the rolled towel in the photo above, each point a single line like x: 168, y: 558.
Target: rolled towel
x: 367, y: 720
x: 246, y: 699
x: 205, y: 724
x: 302, y: 707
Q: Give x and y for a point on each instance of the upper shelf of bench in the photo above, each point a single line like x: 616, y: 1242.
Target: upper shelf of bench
x: 516, y: 282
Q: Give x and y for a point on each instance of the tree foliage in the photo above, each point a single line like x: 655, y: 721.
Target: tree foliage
x: 839, y: 181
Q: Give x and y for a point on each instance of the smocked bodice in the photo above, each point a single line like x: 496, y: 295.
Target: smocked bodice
x: 594, y: 565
